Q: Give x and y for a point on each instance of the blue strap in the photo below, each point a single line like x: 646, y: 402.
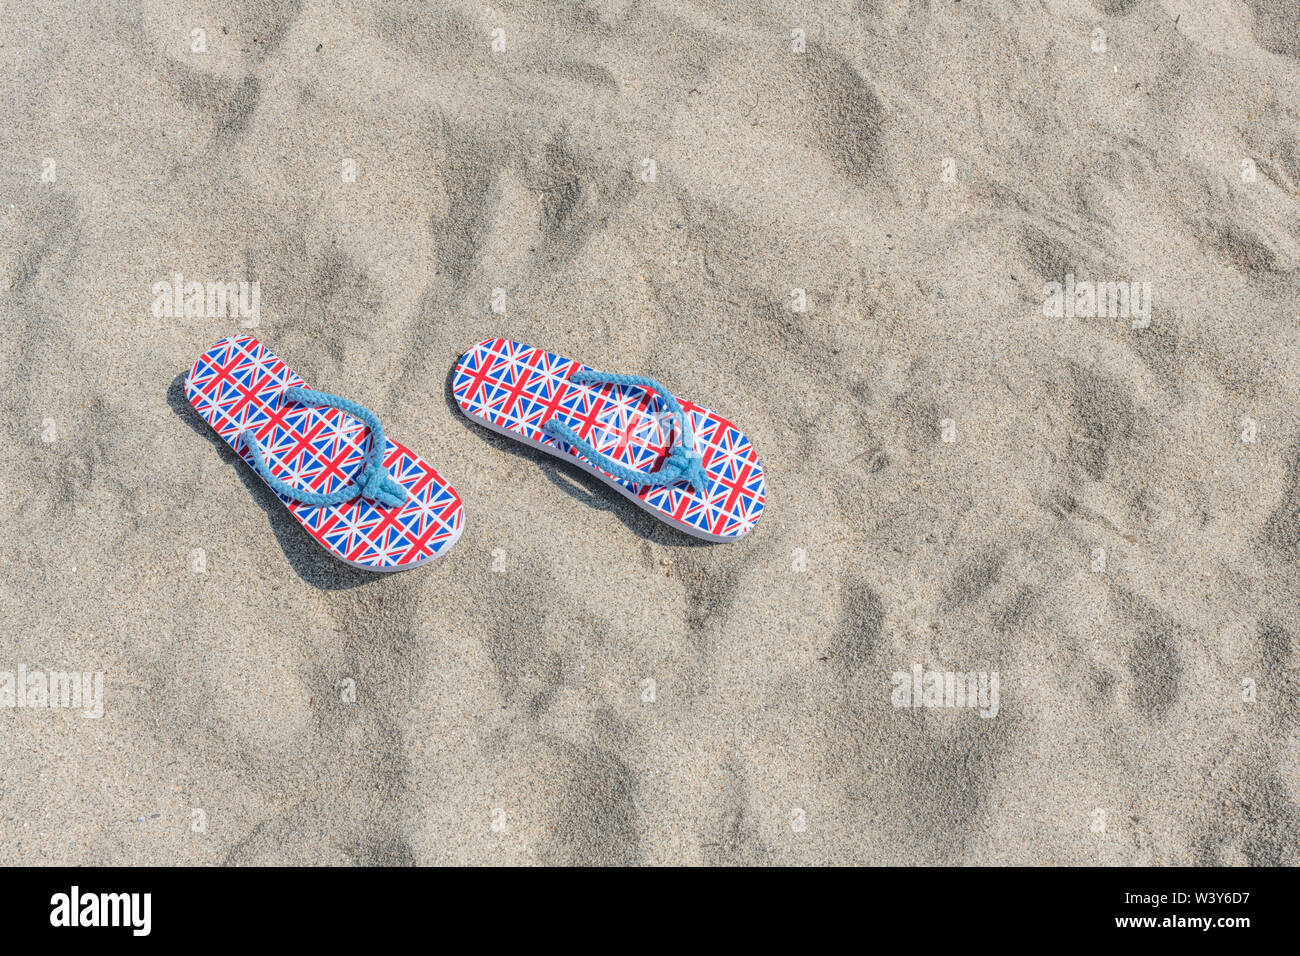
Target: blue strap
x: 373, y: 481
x: 684, y: 462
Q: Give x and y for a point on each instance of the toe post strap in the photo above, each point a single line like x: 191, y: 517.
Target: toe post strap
x: 684, y: 462
x: 372, y: 482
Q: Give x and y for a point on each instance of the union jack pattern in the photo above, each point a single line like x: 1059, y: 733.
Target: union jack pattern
x: 515, y: 389
x: 238, y: 384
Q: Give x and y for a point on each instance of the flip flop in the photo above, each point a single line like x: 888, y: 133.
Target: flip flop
x: 683, y: 463
x: 368, y: 500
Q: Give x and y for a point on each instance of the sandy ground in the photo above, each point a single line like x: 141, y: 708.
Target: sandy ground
x: 1107, y: 517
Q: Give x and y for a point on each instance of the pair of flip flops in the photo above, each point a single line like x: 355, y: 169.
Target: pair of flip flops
x: 374, y: 503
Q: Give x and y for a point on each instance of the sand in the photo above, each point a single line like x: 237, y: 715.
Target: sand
x: 1106, y: 517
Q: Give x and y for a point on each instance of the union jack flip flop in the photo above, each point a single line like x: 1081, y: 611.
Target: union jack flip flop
x: 368, y: 500
x: 685, y: 464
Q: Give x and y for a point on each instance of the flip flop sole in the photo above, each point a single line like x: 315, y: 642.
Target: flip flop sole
x: 515, y: 389
x: 238, y: 384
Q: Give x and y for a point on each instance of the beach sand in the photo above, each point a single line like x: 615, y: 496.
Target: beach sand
x: 1107, y: 517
